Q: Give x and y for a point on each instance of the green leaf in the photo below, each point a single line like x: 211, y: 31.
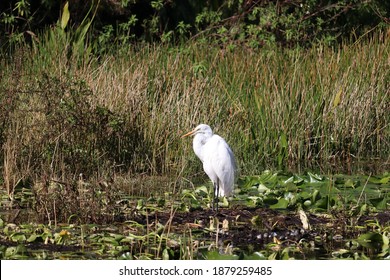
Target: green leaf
x: 322, y: 203
x: 379, y: 203
x: 165, y: 254
x: 65, y: 16
x: 379, y: 181
x: 385, y: 180
x: 255, y: 256
x: 314, y: 177
x: 32, y: 237
x: 270, y: 200
x: 18, y: 237
x: 202, y: 190
x: 214, y: 255
x: 281, y: 204
x: 140, y: 204
x: 262, y: 188
x: 316, y: 196
x: 371, y: 240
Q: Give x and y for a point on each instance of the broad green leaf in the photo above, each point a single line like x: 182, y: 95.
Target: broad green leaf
x: 33, y: 237
x: 304, y: 195
x: 379, y: 203
x: 371, y: 240
x: 314, y: 177
x: 270, y: 200
x: 18, y: 237
x: 322, y: 203
x: 379, y: 181
x: 281, y: 204
x: 268, y: 176
x: 262, y: 188
x: 214, y: 255
x: 201, y: 190
x: 255, y: 256
x: 298, y: 180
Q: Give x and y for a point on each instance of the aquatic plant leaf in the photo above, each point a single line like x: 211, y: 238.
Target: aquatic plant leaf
x: 281, y: 204
x: 18, y: 237
x: 379, y: 203
x: 270, y: 200
x: 255, y: 256
x: 202, y: 190
x: 289, y: 180
x: 385, y: 180
x: 33, y: 237
x: 10, y: 251
x: 322, y: 203
x: 314, y: 177
x: 304, y: 195
x: 379, y: 181
x: 298, y: 180
x: 140, y: 204
x: 371, y: 240
x: 214, y: 255
x: 316, y: 196
x: 291, y: 187
x: 225, y: 202
x: 262, y: 188
x: 268, y: 177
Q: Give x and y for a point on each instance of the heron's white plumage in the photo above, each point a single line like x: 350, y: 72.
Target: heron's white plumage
x: 217, y: 157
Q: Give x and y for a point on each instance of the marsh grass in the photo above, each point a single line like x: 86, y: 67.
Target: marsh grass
x: 66, y: 112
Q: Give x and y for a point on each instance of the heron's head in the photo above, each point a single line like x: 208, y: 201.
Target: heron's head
x: 200, y: 129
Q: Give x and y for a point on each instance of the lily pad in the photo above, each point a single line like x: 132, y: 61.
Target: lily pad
x: 371, y: 240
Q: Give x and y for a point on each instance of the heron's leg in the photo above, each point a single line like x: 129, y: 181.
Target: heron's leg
x: 214, y: 190
x: 216, y: 196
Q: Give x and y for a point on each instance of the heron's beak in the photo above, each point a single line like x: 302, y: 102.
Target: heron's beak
x: 192, y: 132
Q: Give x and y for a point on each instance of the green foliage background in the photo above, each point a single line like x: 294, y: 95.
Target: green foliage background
x: 252, y: 23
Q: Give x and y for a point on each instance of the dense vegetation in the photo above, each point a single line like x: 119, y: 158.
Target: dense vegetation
x: 232, y: 23
x: 94, y: 95
x: 71, y: 104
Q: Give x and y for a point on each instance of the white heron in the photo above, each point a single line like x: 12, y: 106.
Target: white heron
x: 217, y: 158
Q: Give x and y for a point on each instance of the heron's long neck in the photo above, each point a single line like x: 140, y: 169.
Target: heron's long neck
x: 199, y: 141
